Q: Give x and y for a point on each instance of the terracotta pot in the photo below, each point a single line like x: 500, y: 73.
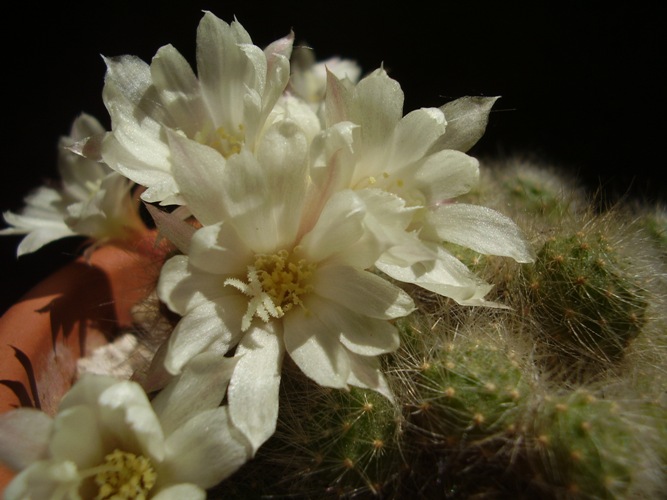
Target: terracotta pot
x: 66, y: 316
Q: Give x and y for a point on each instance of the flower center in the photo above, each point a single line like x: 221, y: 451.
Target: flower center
x: 275, y: 285
x: 125, y: 476
x: 227, y: 143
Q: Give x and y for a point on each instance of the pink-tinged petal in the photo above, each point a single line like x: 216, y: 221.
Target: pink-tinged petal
x: 218, y: 249
x: 212, y: 324
x: 362, y: 292
x: 481, y: 229
x: 365, y: 372
x: 24, y: 437
x: 315, y: 347
x: 205, y: 450
x: 201, y: 386
x: 277, y: 71
x: 253, y: 390
x: 77, y: 437
x: 414, y: 134
x: 338, y: 98
x: 179, y: 91
x: 172, y: 227
x: 467, y: 118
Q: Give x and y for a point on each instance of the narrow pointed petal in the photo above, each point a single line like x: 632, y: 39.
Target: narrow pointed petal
x: 365, y: 372
x: 467, y: 118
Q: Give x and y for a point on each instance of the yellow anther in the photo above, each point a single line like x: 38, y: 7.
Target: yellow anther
x: 124, y: 476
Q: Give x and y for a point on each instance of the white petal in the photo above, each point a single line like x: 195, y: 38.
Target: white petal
x: 467, y: 118
x: 379, y: 107
x: 315, y: 347
x: 225, y: 71
x: 359, y: 333
x: 42, y: 478
x: 482, y: 229
x: 205, y: 450
x: 180, y: 491
x: 199, y: 172
x: 442, y: 273
x: 77, y: 436
x: 179, y: 91
x: 414, y: 134
x: 201, y: 386
x: 365, y: 372
x: 183, y: 288
x: 362, y: 292
x: 129, y: 420
x: 445, y: 175
x: 339, y: 226
x: 212, y: 323
x: 24, y: 437
x: 253, y: 390
x: 218, y: 249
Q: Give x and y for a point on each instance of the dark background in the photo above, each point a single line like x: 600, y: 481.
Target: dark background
x: 580, y: 84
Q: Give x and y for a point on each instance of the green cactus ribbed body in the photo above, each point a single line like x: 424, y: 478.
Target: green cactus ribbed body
x: 587, y: 448
x: 333, y: 444
x: 470, y: 392
x: 583, y: 299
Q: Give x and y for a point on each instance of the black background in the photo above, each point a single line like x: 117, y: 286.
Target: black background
x: 581, y: 85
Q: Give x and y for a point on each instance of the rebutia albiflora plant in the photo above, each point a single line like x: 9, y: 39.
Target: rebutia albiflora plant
x: 352, y: 306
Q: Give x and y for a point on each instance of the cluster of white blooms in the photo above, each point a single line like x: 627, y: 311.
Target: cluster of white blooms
x: 302, y: 191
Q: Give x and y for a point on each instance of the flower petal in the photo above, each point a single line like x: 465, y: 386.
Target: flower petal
x: 467, y: 118
x: 180, y: 491
x: 315, y: 346
x: 77, y: 436
x: 24, y: 437
x: 205, y: 450
x: 359, y: 333
x: 211, y: 324
x: 362, y: 292
x: 201, y: 386
x: 481, y: 229
x: 253, y: 390
x: 365, y: 372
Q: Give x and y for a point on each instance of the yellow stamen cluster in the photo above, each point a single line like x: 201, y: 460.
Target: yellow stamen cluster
x: 276, y: 283
x: 124, y: 476
x: 225, y: 142
x: 283, y: 280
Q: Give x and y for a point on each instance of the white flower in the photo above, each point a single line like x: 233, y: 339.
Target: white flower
x: 308, y: 80
x: 92, y: 200
x: 277, y: 269
x: 419, y: 157
x: 108, y: 440
x: 224, y: 107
